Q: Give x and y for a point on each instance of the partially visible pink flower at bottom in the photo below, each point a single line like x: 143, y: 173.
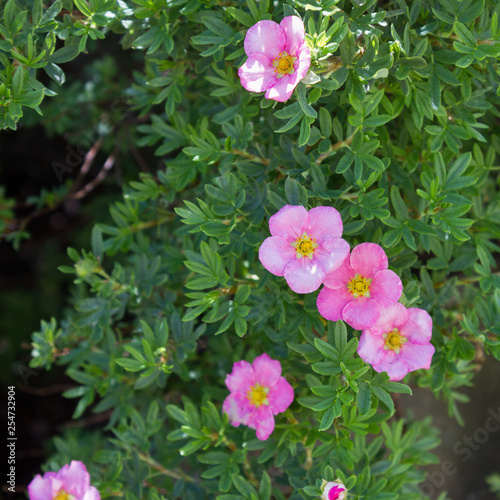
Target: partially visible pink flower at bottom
x: 71, y: 482
x: 333, y: 490
x: 258, y: 392
x: 399, y: 342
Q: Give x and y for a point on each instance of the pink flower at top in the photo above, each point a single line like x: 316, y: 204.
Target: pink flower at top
x: 399, y: 342
x: 333, y: 490
x: 304, y: 246
x: 278, y: 58
x: 72, y: 482
x: 358, y: 290
x: 258, y: 392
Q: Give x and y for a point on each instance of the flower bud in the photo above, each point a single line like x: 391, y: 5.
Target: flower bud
x: 333, y: 490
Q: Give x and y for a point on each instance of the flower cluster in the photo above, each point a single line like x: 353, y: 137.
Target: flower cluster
x: 307, y: 249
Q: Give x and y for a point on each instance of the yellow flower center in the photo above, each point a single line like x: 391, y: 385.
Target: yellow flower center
x: 359, y: 286
x: 283, y: 64
x: 394, y: 341
x: 63, y: 495
x: 305, y: 246
x: 257, y: 395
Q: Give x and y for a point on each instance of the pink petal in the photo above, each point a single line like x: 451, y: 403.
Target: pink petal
x: 290, y: 222
x: 265, y: 37
x: 275, y: 253
x: 390, y: 318
x: 371, y: 347
x: 417, y: 356
x: 331, y: 302
x: 92, y: 494
x: 332, y: 253
x: 40, y: 488
x: 257, y: 74
x: 336, y: 492
x: 394, y: 364
x: 340, y: 277
x: 333, y: 490
x: 361, y: 313
x: 262, y: 421
x: 241, y: 378
x: 238, y: 408
x: 282, y: 90
x: 294, y: 32
x: 304, y: 275
x: 280, y: 396
x: 418, y: 327
x: 267, y: 371
x: 57, y: 484
x: 324, y: 223
x: 284, y: 86
x: 368, y: 258
x: 76, y: 478
x: 386, y: 287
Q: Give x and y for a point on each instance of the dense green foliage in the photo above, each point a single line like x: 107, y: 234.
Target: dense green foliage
x: 400, y: 133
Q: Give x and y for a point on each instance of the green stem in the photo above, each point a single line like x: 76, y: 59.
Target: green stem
x: 155, y: 465
x: 335, y: 147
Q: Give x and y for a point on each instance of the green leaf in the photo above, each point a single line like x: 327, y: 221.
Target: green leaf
x: 397, y: 387
x: 241, y: 16
x: 325, y: 122
x: 327, y: 350
x: 345, y: 162
x: 83, y: 7
x: 65, y: 54
x: 413, y: 62
x: 217, y: 26
x: 305, y: 132
x: 434, y: 90
x: 384, y: 397
x: 398, y: 204
x: 464, y: 34
x: 17, y: 82
x: 130, y: 365
x: 376, y: 121
x: 364, y: 398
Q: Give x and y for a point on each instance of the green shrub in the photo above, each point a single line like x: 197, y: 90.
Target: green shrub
x: 399, y: 133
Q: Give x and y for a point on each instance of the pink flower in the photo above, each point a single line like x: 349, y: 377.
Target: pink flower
x: 72, y: 482
x: 360, y: 288
x: 333, y: 490
x: 278, y: 58
x: 258, y: 392
x: 399, y: 342
x: 304, y: 246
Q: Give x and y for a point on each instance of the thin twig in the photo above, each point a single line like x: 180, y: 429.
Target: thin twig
x: 87, y: 163
x: 155, y: 465
x: 250, y: 156
x: 99, y: 178
x: 334, y: 148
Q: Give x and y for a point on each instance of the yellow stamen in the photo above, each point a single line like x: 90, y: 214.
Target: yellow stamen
x: 394, y: 341
x: 63, y: 495
x: 359, y: 286
x: 305, y: 246
x: 257, y: 395
x: 283, y: 64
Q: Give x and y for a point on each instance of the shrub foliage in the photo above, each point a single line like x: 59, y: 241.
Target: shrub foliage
x: 398, y: 131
